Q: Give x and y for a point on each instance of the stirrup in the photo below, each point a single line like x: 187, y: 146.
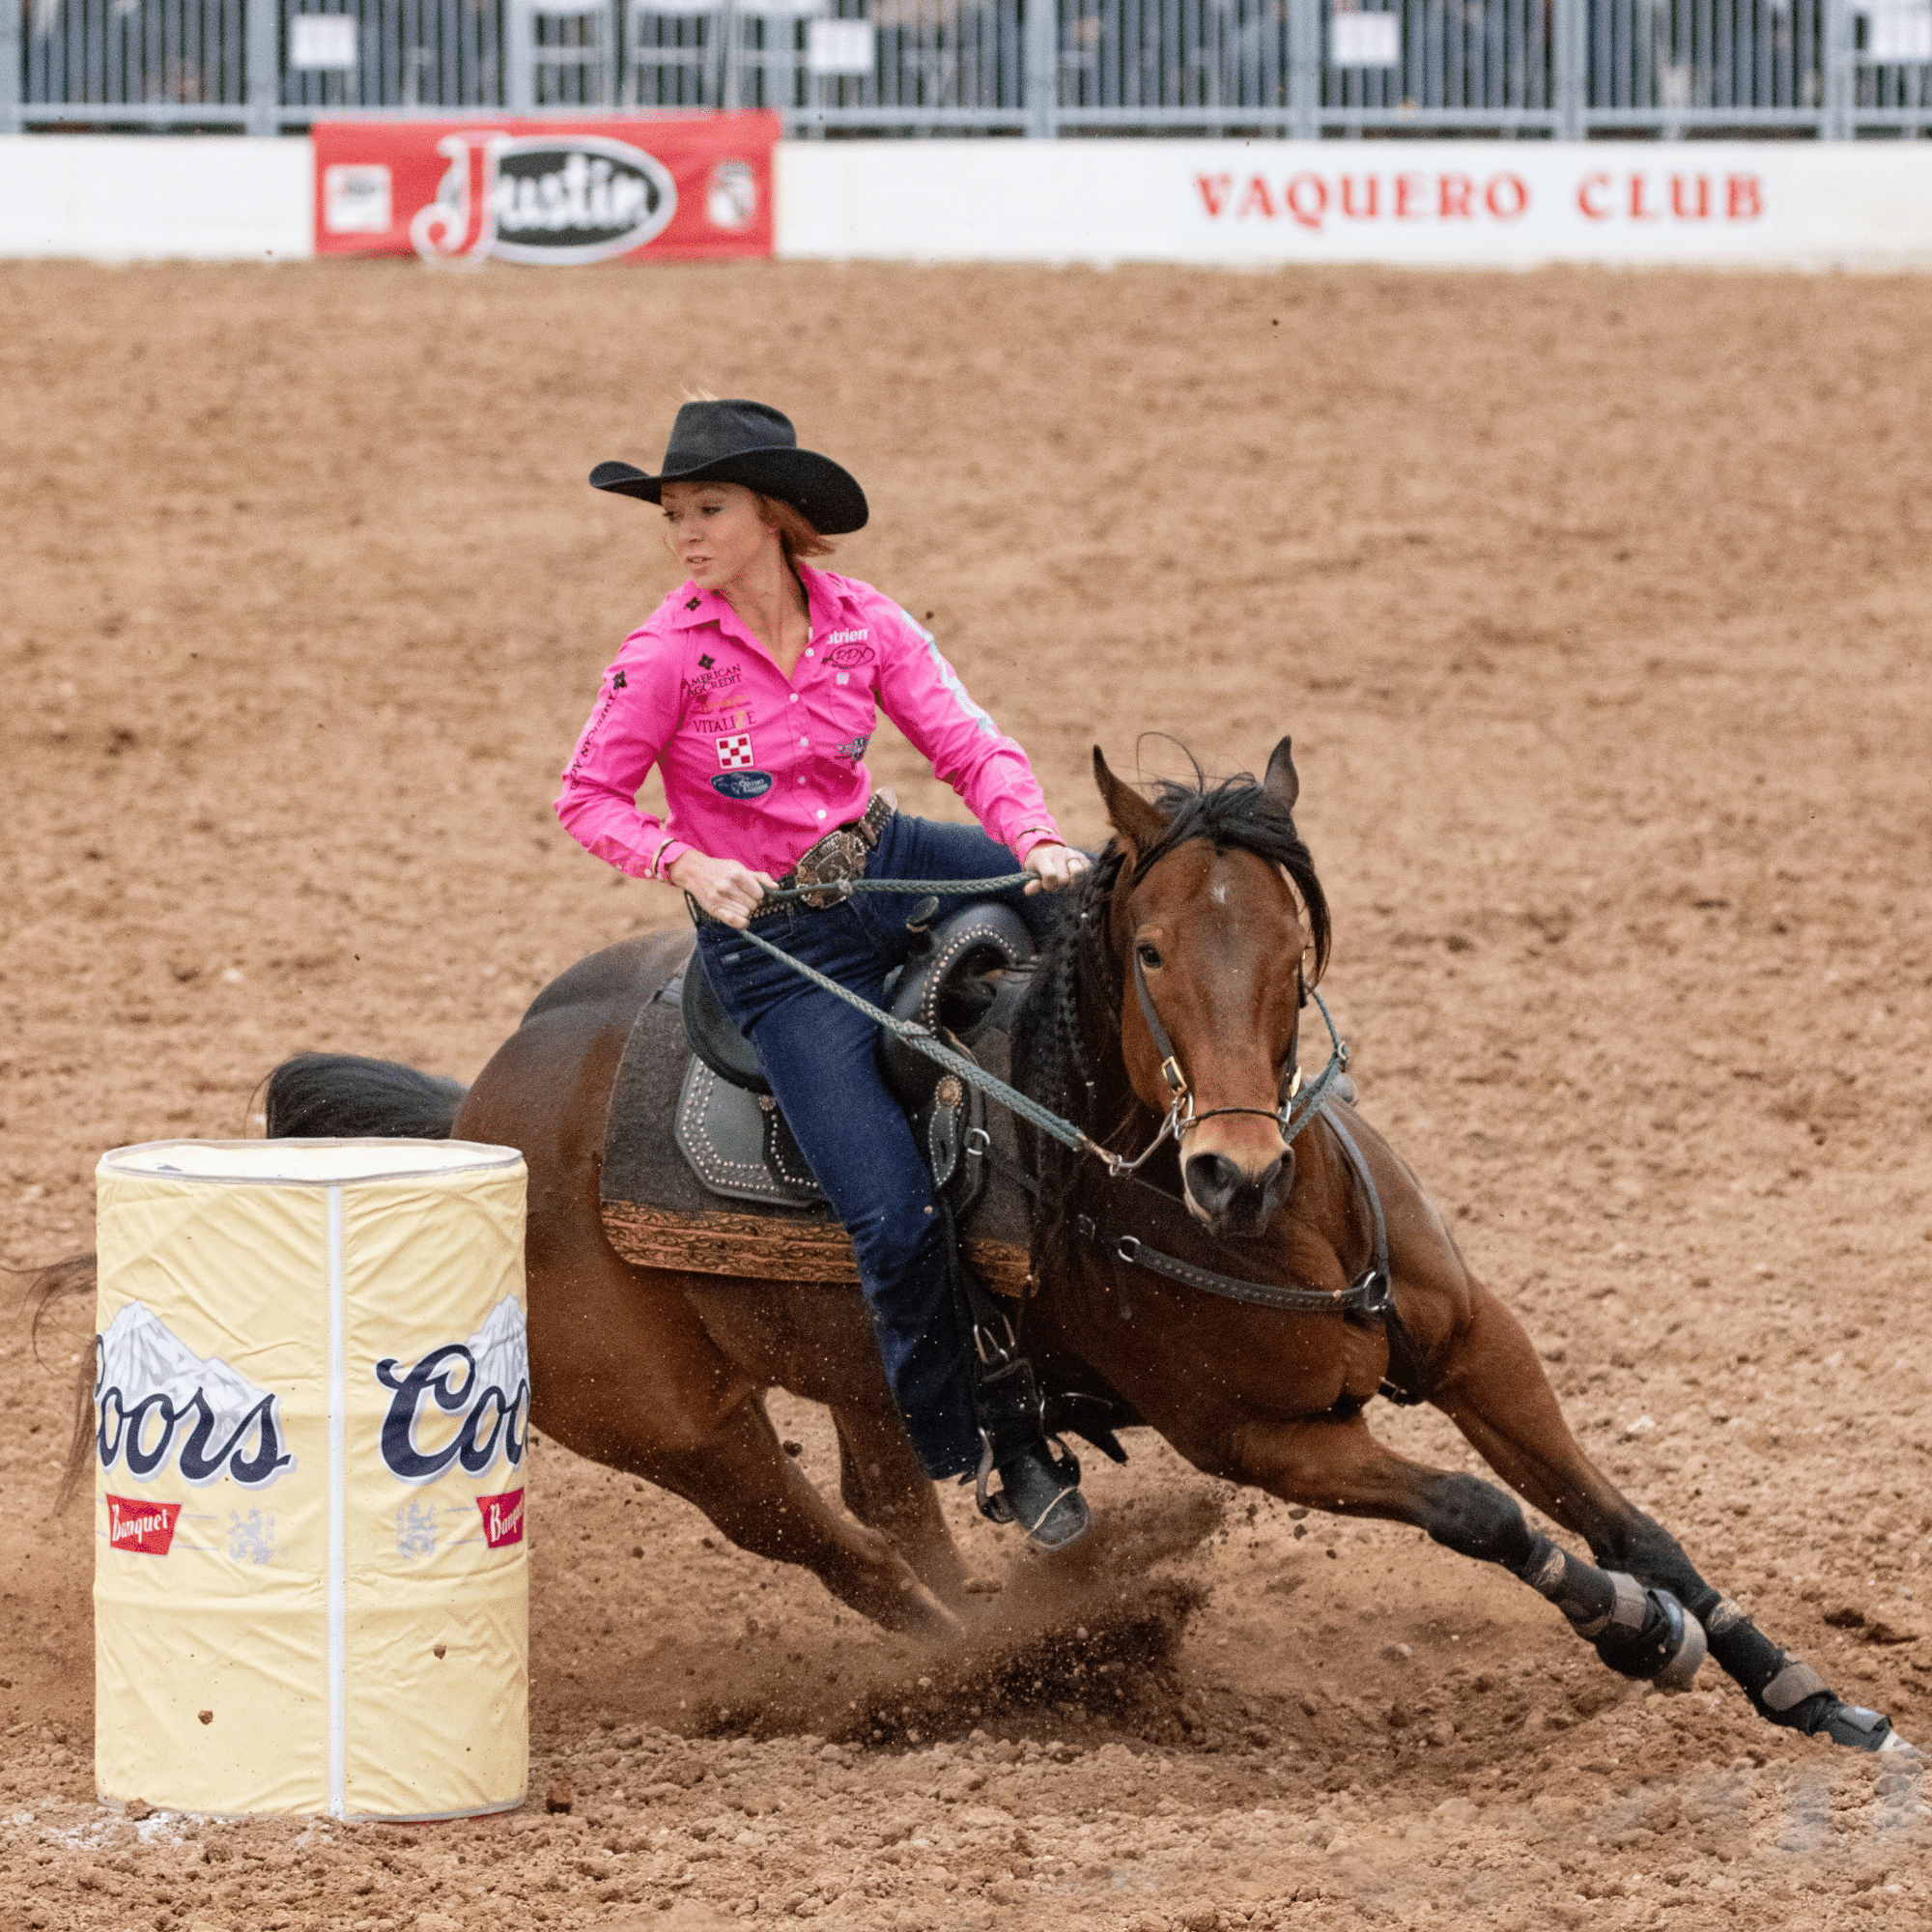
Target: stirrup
x: 996, y: 1506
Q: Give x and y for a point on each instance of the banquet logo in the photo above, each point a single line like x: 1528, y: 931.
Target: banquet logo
x: 543, y: 198
x: 503, y: 1519
x: 157, y: 1401
x: 148, y: 1530
x: 464, y: 1405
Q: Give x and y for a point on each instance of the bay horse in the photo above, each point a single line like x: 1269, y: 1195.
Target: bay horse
x: 1245, y: 1295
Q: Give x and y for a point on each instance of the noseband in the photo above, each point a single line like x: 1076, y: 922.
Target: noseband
x: 1177, y: 1080
x: 1299, y: 1102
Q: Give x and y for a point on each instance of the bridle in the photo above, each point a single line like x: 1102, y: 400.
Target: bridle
x: 1299, y: 1102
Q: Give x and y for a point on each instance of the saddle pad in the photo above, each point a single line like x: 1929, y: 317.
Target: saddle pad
x: 658, y: 1215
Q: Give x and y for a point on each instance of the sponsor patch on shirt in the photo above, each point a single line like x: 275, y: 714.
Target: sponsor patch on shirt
x: 734, y: 752
x: 855, y: 749
x: 844, y: 656
x: 709, y: 680
x: 741, y: 785
x: 714, y: 723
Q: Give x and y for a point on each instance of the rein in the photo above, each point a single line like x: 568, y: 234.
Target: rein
x: 1368, y: 1297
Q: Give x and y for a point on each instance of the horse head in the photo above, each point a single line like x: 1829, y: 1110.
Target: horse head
x: 1217, y: 906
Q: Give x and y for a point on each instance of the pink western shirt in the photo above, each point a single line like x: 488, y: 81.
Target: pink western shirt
x: 759, y: 767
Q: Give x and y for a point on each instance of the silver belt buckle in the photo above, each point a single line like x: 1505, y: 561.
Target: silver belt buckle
x: 837, y: 860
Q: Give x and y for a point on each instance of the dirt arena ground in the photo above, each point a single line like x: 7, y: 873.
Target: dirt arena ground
x: 1597, y: 606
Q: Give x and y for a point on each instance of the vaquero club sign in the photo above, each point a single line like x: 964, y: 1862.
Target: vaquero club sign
x: 547, y: 193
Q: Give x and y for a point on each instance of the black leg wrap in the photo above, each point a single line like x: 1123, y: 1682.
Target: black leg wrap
x: 1643, y: 1633
x: 1582, y: 1592
x: 1789, y: 1693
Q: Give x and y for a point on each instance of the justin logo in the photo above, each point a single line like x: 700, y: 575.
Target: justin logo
x: 479, y: 1389
x: 734, y: 754
x: 503, y: 1519
x: 562, y: 198
x: 148, y: 1530
x: 159, y: 1403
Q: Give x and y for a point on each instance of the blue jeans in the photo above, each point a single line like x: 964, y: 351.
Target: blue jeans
x: 821, y: 1061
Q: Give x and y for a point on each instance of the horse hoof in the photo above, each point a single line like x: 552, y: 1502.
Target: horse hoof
x: 1653, y: 1637
x: 915, y: 1611
x: 1681, y: 1668
x: 1860, y: 1729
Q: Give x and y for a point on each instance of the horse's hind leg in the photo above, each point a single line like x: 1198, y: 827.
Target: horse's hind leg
x: 1334, y: 1464
x: 625, y: 1371
x: 1491, y: 1384
x: 718, y: 1450
x: 881, y: 1483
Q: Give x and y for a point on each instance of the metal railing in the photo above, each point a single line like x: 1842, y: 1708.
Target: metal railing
x: 1569, y: 69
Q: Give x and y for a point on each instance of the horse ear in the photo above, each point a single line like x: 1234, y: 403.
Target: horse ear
x: 1281, y: 783
x: 1137, y: 822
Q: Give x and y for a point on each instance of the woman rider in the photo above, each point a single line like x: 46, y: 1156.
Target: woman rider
x: 754, y: 689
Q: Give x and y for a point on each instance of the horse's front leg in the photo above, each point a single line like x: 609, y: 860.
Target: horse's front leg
x: 1333, y: 1463
x: 1488, y: 1382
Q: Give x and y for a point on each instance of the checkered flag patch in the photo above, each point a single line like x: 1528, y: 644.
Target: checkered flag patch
x: 734, y: 752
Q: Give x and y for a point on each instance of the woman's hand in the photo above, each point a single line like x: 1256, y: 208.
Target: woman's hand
x: 1054, y: 865
x: 727, y: 890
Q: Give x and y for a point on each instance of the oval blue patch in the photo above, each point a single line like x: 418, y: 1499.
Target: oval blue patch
x: 741, y: 785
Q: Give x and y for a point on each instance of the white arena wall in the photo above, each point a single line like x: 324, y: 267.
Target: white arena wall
x: 1255, y: 204
x: 133, y: 197
x: 1425, y: 203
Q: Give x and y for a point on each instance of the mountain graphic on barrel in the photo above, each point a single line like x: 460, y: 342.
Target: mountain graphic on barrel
x: 157, y: 1401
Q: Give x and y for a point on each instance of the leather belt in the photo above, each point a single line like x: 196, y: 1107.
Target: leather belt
x: 838, y: 859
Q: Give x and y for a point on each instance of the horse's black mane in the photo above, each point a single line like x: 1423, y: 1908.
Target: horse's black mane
x: 1061, y: 1027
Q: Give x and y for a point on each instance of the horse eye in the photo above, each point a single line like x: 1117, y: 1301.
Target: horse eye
x: 1150, y: 955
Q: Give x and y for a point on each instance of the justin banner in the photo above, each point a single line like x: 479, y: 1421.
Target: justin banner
x: 679, y: 189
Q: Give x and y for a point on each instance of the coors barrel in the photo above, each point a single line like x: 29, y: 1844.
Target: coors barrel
x: 312, y: 1405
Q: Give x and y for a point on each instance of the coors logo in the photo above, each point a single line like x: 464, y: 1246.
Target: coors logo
x: 465, y: 1403
x: 156, y: 1401
x: 562, y: 198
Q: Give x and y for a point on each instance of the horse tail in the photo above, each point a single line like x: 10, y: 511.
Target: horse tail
x: 333, y: 1096
x: 61, y: 1281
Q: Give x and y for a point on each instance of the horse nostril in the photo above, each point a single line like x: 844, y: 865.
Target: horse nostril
x: 1212, y: 1179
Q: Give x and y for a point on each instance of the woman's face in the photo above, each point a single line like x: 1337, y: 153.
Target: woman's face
x: 715, y: 532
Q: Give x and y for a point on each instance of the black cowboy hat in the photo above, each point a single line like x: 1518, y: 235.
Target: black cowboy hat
x: 752, y: 445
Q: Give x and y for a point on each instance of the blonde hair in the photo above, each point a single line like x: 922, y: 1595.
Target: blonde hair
x: 796, y: 535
